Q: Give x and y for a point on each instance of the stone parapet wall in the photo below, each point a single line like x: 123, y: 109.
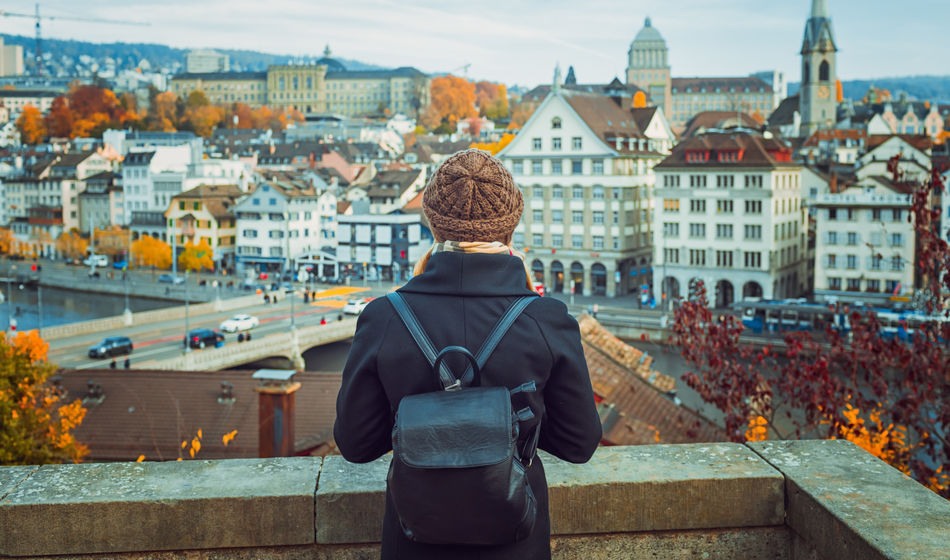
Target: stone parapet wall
x: 806, y: 500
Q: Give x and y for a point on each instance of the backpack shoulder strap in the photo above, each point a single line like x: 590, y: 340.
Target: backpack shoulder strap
x: 495, y: 336
x: 422, y: 339
x: 448, y: 380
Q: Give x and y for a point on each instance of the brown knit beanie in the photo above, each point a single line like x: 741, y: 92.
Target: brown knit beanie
x: 472, y: 197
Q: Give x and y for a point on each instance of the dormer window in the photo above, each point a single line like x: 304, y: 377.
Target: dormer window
x: 556, y: 122
x: 697, y: 156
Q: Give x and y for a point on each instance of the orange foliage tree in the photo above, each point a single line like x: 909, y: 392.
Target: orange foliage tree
x: 452, y: 99
x: 31, y: 125
x: 495, y: 147
x: 59, y: 120
x: 202, y: 119
x: 492, y: 100
x: 71, y: 245
x: 36, y: 424
x: 196, y: 257
x: 148, y: 251
x: 111, y: 241
x: 521, y: 112
x: 7, y: 241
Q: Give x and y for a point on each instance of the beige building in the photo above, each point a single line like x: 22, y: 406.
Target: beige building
x: 204, y: 60
x: 205, y: 213
x: 681, y: 98
x: 325, y: 86
x: 11, y: 59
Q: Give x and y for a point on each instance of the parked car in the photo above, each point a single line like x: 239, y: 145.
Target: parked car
x: 111, y: 346
x: 240, y: 322
x: 120, y: 265
x: 171, y: 279
x: 199, y: 338
x: 355, y: 306
x: 96, y: 260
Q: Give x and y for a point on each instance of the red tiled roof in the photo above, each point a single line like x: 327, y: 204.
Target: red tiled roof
x: 757, y: 151
x: 717, y: 119
x: 610, y: 121
x: 151, y: 412
x: 920, y: 141
x: 634, y: 408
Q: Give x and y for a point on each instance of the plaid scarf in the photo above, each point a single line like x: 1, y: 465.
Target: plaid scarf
x: 493, y: 247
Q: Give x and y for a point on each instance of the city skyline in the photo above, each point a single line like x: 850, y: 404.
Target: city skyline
x: 523, y: 44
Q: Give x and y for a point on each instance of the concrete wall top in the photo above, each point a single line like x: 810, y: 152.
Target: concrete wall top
x: 842, y: 503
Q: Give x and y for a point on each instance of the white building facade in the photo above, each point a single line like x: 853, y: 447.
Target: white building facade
x: 865, y: 244
x: 373, y: 247
x: 585, y: 166
x: 729, y: 213
x: 280, y: 224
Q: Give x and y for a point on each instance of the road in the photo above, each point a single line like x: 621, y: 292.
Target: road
x: 163, y: 339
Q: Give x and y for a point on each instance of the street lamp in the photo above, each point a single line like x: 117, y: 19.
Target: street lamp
x: 293, y: 291
x: 187, y: 342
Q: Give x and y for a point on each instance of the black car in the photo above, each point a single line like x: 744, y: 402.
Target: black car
x: 111, y: 346
x: 199, y: 338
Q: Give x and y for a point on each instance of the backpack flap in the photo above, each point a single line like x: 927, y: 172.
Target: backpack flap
x: 454, y: 429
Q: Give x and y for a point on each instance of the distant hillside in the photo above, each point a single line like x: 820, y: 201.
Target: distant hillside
x: 924, y: 88
x: 128, y: 55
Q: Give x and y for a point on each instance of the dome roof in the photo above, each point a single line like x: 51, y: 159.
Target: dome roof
x: 332, y: 64
x: 648, y: 33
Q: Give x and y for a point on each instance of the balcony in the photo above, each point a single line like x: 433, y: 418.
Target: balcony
x: 771, y: 500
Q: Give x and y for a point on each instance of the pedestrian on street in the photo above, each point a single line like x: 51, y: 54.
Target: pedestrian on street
x: 595, y: 311
x: 323, y: 320
x: 240, y: 337
x: 248, y: 337
x: 128, y: 363
x: 112, y: 364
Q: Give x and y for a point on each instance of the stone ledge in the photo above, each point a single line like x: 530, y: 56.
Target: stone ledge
x: 664, y: 487
x: 621, y: 490
x: 115, y: 507
x: 850, y: 505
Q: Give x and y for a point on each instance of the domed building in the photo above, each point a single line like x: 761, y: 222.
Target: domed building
x: 332, y: 64
x: 648, y: 67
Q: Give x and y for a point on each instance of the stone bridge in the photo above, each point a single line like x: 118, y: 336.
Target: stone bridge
x: 289, y: 346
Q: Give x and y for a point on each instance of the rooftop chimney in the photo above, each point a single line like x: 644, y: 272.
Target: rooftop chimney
x: 275, y: 412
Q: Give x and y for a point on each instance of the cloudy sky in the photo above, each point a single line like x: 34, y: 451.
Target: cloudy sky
x: 520, y: 41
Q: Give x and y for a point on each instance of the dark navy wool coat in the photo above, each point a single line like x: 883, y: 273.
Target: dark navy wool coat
x: 458, y: 299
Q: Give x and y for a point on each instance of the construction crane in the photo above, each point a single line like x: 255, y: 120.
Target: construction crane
x: 463, y: 68
x: 38, y: 66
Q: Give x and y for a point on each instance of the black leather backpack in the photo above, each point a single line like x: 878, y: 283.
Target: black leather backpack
x: 457, y: 475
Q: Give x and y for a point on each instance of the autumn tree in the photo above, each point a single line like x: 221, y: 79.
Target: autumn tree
x: 31, y: 125
x: 521, y: 112
x: 7, y: 241
x: 36, y: 425
x: 71, y: 245
x: 59, y: 119
x: 196, y: 257
x: 494, y: 147
x: 163, y: 112
x: 492, y: 100
x: 244, y: 115
x: 892, y: 397
x: 202, y: 119
x: 151, y: 252
x: 452, y: 99
x: 111, y: 241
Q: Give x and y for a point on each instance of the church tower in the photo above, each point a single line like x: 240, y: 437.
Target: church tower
x: 818, y: 98
x: 648, y: 67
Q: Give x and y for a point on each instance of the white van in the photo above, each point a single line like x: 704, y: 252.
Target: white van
x: 96, y: 260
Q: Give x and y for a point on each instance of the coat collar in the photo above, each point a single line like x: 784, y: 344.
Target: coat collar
x: 471, y: 274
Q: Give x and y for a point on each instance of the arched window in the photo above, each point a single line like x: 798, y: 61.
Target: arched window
x: 823, y: 71
x: 556, y: 122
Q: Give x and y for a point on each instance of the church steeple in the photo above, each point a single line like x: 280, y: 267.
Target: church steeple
x: 818, y: 97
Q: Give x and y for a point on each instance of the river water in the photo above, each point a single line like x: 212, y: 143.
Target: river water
x: 65, y: 306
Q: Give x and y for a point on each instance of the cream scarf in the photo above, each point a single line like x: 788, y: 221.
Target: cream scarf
x: 494, y: 247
